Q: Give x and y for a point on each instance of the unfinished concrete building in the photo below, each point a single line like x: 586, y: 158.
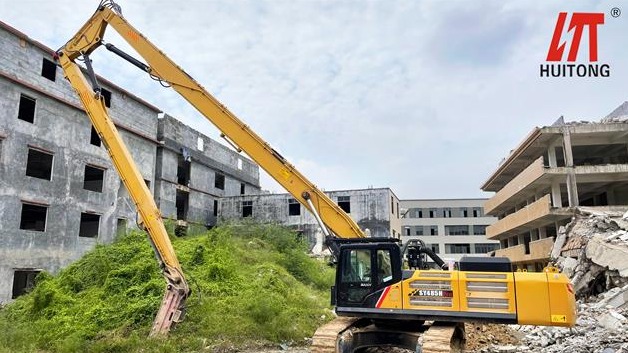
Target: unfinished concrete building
x: 452, y: 228
x: 194, y: 172
x: 374, y: 209
x: 59, y: 192
x: 553, y: 170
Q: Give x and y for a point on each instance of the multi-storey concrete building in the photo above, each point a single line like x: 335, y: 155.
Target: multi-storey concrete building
x: 554, y: 169
x: 376, y: 211
x: 194, y: 172
x: 452, y: 228
x: 59, y: 192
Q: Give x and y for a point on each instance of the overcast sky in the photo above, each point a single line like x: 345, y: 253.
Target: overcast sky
x: 424, y: 97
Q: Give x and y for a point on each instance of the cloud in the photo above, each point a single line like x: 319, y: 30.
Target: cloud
x: 423, y: 97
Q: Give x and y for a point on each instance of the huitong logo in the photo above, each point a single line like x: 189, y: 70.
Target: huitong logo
x: 556, y: 66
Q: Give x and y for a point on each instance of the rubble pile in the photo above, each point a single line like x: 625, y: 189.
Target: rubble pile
x: 592, y: 250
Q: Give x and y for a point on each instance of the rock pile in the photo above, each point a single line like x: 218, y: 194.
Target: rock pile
x: 593, y: 251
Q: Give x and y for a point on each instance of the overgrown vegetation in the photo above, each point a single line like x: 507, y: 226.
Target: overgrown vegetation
x: 252, y: 284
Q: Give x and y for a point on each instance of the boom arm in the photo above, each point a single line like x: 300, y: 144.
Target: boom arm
x: 161, y: 67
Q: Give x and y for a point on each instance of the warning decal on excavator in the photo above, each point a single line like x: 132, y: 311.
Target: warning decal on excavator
x: 559, y: 318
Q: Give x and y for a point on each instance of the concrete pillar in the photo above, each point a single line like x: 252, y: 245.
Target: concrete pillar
x: 556, y: 198
x: 572, y: 187
x: 610, y: 196
x: 551, y: 154
x: 542, y: 233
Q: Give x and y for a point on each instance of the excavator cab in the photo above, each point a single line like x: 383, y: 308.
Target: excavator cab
x: 364, y: 270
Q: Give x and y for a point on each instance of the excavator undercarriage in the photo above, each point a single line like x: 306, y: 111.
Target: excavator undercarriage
x: 349, y: 335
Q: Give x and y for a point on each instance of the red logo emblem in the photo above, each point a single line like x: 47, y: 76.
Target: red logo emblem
x: 579, y: 21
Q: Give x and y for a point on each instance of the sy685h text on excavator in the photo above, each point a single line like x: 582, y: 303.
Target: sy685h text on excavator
x: 379, y: 303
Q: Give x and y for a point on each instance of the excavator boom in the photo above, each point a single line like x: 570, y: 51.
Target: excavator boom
x: 89, y: 38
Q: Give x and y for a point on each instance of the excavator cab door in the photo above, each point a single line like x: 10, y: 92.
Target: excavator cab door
x: 364, y: 271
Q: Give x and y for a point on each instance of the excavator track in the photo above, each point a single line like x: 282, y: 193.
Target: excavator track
x: 349, y: 335
x: 326, y: 336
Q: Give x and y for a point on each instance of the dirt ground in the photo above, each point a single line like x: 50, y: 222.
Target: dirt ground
x: 478, y: 336
x: 483, y: 335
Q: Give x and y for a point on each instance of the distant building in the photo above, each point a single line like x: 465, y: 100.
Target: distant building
x: 553, y: 170
x: 374, y: 209
x: 452, y: 228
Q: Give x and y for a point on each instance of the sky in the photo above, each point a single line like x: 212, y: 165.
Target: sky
x: 423, y: 97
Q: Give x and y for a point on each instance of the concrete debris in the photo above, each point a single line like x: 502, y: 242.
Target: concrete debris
x: 593, y: 250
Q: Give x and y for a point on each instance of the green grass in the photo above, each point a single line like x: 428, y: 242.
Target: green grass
x: 252, y: 284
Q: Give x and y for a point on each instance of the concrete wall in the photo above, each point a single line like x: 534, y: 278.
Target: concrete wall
x: 370, y: 208
x: 207, y: 158
x: 417, y: 217
x: 60, y: 127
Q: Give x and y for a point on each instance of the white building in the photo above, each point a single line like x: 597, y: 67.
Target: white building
x: 450, y: 227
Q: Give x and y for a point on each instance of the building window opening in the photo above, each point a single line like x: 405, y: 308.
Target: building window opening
x: 457, y: 230
x: 294, y: 207
x: 107, y: 96
x: 23, y: 282
x: 457, y: 248
x: 94, y: 139
x: 89, y: 225
x: 215, y: 208
x: 526, y: 243
x: 26, y: 110
x: 465, y: 212
x: 418, y: 230
x: 483, y: 248
x: 434, y: 230
x: 183, y: 170
x: 219, y: 181
x: 33, y: 217
x: 432, y: 213
x: 242, y: 188
x: 479, y: 230
x: 447, y: 213
x: 345, y: 203
x: 94, y: 178
x: 39, y: 164
x: 407, y: 231
x: 392, y: 205
x: 434, y: 247
x: 121, y: 227
x: 49, y: 69
x: 247, y: 208
x: 182, y: 204
x: 420, y: 214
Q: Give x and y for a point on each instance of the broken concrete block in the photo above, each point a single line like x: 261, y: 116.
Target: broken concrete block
x: 559, y: 242
x: 608, y: 255
x: 611, y: 321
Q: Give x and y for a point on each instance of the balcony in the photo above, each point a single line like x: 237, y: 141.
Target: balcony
x: 532, y: 173
x: 535, y: 215
x: 539, y: 251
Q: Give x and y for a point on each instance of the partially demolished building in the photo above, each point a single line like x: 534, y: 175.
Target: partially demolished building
x: 551, y: 172
x: 59, y: 192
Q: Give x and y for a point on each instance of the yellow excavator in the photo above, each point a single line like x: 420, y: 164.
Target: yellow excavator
x: 384, y: 291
